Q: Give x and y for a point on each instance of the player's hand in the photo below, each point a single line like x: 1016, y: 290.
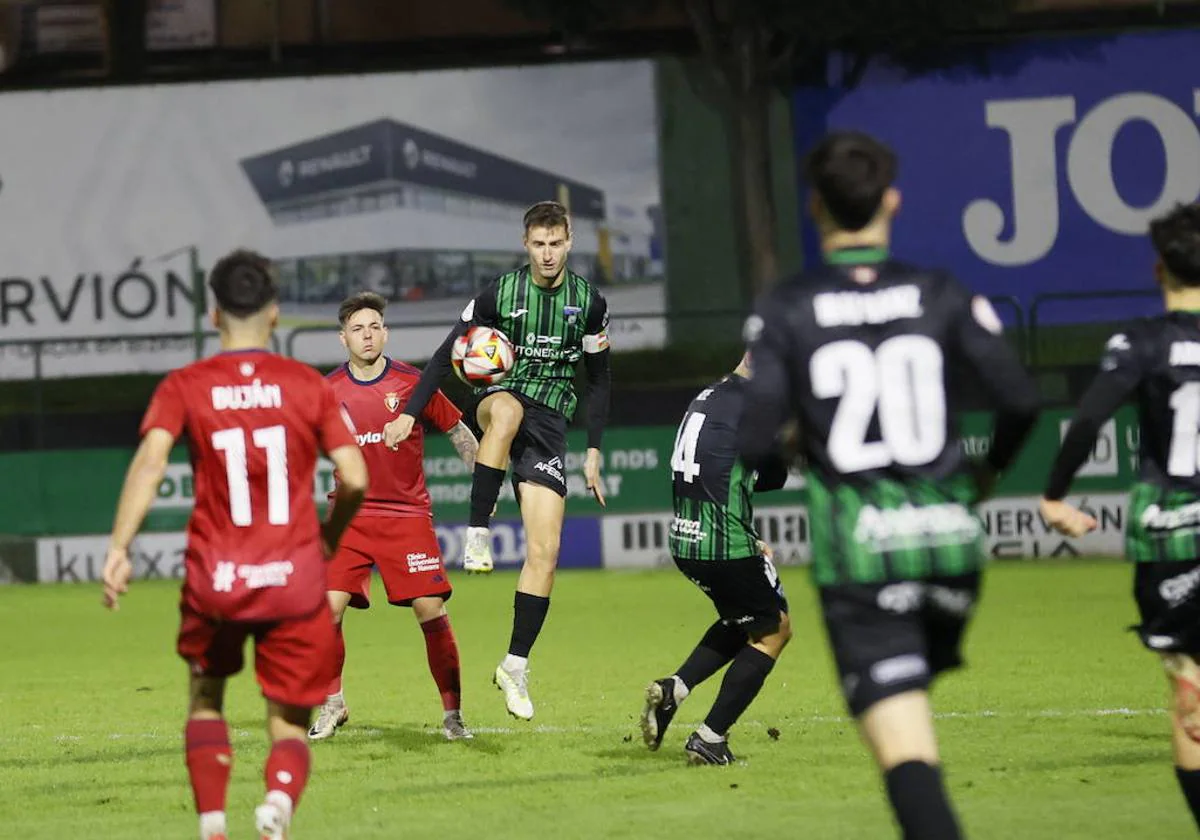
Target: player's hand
x: 766, y: 551
x: 117, y: 572
x: 398, y: 430
x: 591, y: 474
x: 1067, y: 519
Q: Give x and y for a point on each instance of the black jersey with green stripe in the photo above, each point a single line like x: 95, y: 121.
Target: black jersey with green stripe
x: 711, y: 488
x: 861, y: 352
x: 550, y: 330
x: 1157, y: 361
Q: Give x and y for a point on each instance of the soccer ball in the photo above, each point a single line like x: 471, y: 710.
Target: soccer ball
x: 482, y: 356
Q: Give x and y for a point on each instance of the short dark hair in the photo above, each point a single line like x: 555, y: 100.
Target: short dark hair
x: 1176, y: 238
x: 851, y: 171
x: 549, y: 214
x: 243, y: 283
x: 359, y: 301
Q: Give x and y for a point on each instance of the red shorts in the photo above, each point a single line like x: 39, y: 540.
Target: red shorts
x: 404, y: 549
x: 293, y: 658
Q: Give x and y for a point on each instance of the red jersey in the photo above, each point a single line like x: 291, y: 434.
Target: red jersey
x: 397, y: 478
x: 255, y: 422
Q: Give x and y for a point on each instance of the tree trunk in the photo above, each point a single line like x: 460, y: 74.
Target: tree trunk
x: 754, y: 188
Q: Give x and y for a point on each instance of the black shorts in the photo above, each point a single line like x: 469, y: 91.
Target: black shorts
x: 746, y: 592
x: 1168, y: 600
x: 539, y: 451
x: 889, y: 638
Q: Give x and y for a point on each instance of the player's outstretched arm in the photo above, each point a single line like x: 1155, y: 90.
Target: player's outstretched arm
x: 482, y: 311
x: 144, y: 475
x: 351, y: 488
x: 772, y: 473
x: 1120, y: 372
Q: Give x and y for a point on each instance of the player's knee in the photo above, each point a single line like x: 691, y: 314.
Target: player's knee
x: 505, y: 414
x: 542, y: 551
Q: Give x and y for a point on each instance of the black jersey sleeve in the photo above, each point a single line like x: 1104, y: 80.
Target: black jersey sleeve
x: 596, y: 365
x: 772, y: 473
x: 768, y: 393
x: 1009, y: 387
x: 1121, y: 370
x: 480, y: 311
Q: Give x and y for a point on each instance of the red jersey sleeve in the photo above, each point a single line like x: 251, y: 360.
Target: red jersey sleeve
x: 335, y: 427
x: 167, y: 409
x: 441, y: 412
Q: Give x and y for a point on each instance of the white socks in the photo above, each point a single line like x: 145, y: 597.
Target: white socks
x: 514, y: 664
x: 680, y: 691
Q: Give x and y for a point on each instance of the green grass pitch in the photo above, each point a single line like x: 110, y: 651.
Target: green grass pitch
x: 1055, y: 730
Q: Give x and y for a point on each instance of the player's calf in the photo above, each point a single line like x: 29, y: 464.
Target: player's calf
x: 1185, y: 674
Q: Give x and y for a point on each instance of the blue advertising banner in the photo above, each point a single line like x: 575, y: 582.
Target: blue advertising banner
x: 580, y: 544
x: 1041, y: 172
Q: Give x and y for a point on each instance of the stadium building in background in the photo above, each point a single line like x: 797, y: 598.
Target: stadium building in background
x: 416, y: 216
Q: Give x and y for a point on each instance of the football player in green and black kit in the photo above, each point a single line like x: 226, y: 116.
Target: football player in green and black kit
x: 714, y: 544
x: 860, y: 350
x: 1157, y: 362
x: 554, y: 318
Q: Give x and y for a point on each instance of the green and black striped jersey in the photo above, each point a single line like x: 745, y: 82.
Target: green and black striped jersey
x: 861, y: 352
x: 1157, y: 362
x: 550, y: 330
x: 711, y: 488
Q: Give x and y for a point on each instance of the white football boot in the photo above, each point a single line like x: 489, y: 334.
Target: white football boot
x: 477, y: 551
x: 515, y: 686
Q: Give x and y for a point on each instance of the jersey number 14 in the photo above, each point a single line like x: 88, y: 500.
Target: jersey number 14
x: 901, y: 382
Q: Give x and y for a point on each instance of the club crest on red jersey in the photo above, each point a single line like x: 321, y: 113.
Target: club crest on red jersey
x: 391, y: 400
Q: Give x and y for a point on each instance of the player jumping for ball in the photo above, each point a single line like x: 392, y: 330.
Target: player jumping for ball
x: 393, y: 530
x: 1156, y: 361
x: 553, y: 317
x: 256, y: 552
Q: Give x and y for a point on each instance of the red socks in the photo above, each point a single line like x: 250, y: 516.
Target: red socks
x: 287, y: 768
x: 442, y: 650
x: 209, y: 762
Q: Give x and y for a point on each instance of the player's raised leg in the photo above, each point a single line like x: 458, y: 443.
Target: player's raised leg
x: 751, y: 666
x: 334, y: 712
x: 499, y: 415
x: 542, y: 512
x: 441, y: 649
x: 208, y: 753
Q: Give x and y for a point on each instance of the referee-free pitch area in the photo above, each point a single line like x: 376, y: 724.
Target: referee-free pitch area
x: 1055, y: 730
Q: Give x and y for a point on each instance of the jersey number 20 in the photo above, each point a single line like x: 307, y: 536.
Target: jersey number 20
x: 273, y: 439
x: 901, y: 380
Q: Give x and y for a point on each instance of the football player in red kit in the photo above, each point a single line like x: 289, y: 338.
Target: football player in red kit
x: 393, y: 531
x: 256, y: 550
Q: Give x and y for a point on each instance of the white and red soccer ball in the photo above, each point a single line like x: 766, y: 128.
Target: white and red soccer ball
x: 482, y: 356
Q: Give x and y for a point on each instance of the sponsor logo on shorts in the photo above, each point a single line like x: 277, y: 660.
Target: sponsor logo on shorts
x: 898, y: 669
x: 1155, y: 518
x: 909, y: 526
x: 1178, y: 589
x: 552, y: 468
x: 422, y: 562
x: 261, y: 576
